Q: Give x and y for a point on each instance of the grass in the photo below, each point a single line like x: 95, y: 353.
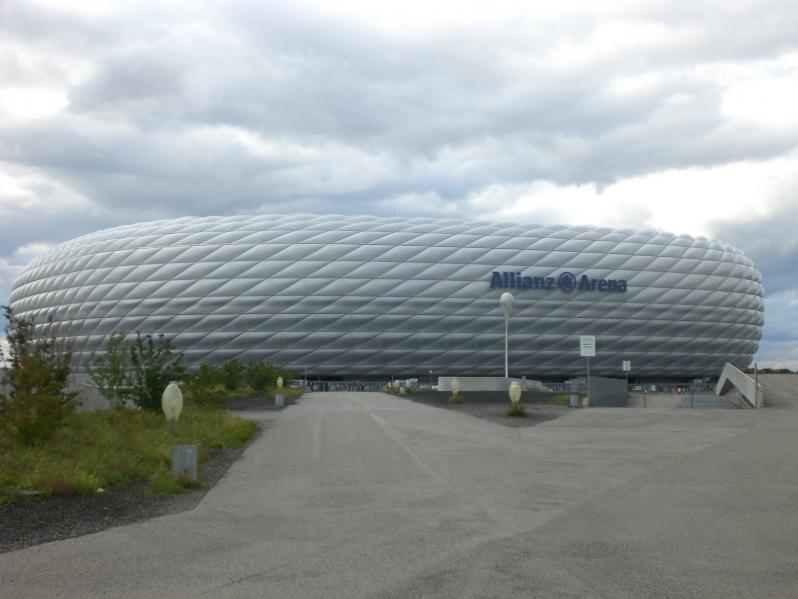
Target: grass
x: 456, y: 398
x: 564, y: 399
x: 408, y: 391
x: 217, y: 395
x: 98, y: 450
x: 516, y: 410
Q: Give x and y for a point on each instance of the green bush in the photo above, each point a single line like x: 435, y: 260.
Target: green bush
x: 206, y: 376
x: 36, y: 375
x: 204, y: 387
x: 260, y: 376
x: 153, y: 364
x: 456, y: 398
x: 516, y: 410
x: 231, y: 375
x: 109, y: 371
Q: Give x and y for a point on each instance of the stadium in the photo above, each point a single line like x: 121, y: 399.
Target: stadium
x: 362, y: 296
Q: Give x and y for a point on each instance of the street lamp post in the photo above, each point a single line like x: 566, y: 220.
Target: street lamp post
x: 506, y: 301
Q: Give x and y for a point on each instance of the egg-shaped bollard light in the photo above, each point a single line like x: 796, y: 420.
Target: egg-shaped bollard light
x: 515, y: 392
x: 172, y: 404
x: 279, y: 399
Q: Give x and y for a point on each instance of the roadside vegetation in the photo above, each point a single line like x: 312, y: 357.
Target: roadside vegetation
x: 47, y: 448
x: 94, y: 451
x: 215, y: 385
x: 516, y: 410
x: 396, y: 388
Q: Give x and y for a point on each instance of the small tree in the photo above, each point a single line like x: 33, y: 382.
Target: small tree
x: 153, y: 363
x: 260, y: 376
x: 203, y: 384
x: 36, y: 376
x: 109, y: 372
x: 231, y: 374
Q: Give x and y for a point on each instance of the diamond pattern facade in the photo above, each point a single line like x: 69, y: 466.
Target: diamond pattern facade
x: 365, y: 296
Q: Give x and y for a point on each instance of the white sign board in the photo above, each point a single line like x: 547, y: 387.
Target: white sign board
x: 587, y: 346
x: 626, y: 366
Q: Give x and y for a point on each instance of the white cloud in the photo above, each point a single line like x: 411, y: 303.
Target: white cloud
x: 25, y: 103
x: 35, y: 191
x: 762, y: 94
x: 690, y: 201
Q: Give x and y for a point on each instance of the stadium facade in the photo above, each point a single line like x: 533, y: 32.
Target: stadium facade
x: 374, y: 297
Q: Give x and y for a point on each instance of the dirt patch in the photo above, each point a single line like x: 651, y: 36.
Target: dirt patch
x: 493, y: 406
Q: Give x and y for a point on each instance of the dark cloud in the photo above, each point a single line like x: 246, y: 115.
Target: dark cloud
x: 771, y: 241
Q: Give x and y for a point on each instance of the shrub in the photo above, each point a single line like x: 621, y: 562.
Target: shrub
x: 109, y: 372
x: 260, y: 376
x: 153, y: 363
x: 203, y: 386
x: 231, y: 374
x: 206, y: 376
x: 37, y: 401
x: 516, y: 410
x: 456, y: 398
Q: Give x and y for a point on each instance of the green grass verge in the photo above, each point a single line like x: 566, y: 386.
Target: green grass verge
x: 216, y: 395
x: 105, y: 449
x: 516, y: 410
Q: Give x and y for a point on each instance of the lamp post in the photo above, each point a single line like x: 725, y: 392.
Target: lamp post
x: 506, y: 301
x: 172, y: 404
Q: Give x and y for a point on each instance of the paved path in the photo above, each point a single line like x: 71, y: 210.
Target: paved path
x: 781, y: 390
x: 365, y: 495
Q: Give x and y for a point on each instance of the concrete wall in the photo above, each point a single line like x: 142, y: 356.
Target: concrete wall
x: 88, y: 397
x: 604, y: 392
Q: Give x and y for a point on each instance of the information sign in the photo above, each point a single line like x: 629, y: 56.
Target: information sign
x: 587, y: 346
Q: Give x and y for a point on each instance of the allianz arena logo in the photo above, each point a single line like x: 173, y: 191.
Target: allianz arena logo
x: 566, y: 282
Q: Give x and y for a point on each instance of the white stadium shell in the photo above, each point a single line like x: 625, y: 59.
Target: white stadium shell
x: 361, y: 296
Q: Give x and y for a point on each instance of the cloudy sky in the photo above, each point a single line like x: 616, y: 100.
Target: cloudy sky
x: 679, y: 116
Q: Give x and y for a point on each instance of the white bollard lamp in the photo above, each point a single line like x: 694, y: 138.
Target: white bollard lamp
x: 172, y: 404
x: 515, y: 392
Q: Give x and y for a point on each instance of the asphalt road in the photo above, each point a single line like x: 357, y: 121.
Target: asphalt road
x: 366, y: 495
